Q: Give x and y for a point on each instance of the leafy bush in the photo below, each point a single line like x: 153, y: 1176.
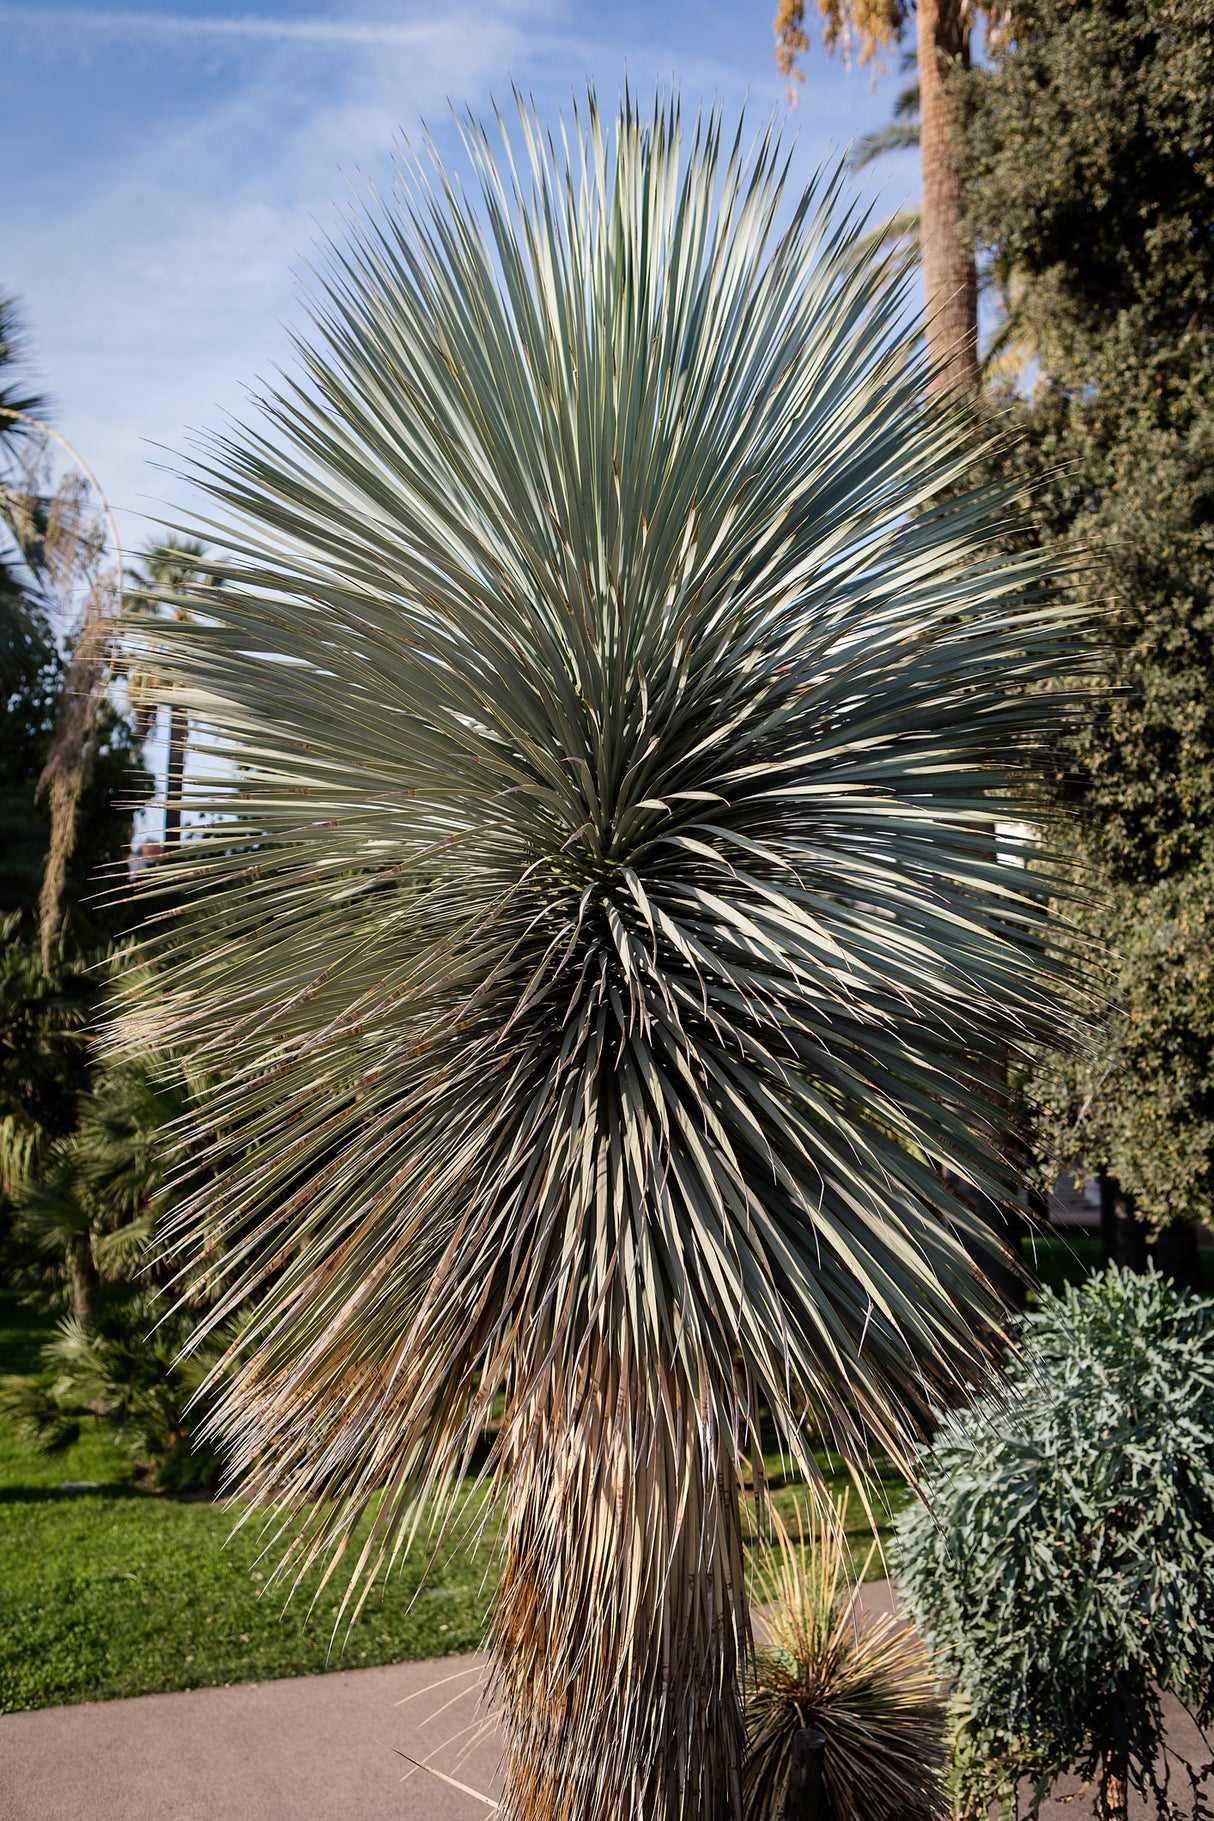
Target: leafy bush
x: 1062, y: 1564
x: 133, y: 1372
x: 83, y: 1243
x: 864, y: 1681
x: 44, y: 1012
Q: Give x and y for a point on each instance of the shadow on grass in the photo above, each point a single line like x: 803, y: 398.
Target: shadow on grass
x: 41, y: 1495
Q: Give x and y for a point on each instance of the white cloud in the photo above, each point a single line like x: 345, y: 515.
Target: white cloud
x: 155, y: 285
x: 321, y: 31
x: 154, y: 250
x: 156, y: 271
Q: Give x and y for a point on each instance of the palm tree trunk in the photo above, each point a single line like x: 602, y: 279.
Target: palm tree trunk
x: 949, y: 274
x: 70, y: 758
x: 179, y: 727
x: 621, y: 1618
x: 84, y: 1281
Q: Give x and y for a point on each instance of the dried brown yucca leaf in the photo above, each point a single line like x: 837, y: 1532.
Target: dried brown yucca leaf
x: 862, y: 1679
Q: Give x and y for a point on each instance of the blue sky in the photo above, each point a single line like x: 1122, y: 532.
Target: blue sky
x: 168, y: 168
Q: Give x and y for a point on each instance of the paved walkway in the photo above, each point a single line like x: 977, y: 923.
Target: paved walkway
x: 313, y: 1748
x: 309, y: 1748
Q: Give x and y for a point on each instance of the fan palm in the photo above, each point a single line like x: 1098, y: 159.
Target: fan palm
x: 24, y: 636
x: 601, y: 942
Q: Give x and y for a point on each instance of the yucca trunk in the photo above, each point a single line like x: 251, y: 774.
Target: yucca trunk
x: 1112, y: 1803
x: 620, y: 1622
x: 950, y: 277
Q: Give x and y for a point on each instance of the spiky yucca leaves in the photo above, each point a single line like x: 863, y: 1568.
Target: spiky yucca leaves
x: 603, y: 949
x: 863, y: 1679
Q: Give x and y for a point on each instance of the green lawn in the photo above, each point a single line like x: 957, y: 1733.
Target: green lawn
x: 123, y: 1593
x: 886, y: 1492
x: 119, y: 1591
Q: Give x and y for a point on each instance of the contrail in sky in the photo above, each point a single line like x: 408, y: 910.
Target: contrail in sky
x: 219, y: 25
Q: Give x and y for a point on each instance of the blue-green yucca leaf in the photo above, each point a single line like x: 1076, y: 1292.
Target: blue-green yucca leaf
x: 603, y: 947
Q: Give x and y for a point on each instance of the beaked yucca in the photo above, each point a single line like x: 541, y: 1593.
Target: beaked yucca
x: 601, y: 709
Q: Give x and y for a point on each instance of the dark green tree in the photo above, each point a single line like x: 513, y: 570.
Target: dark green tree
x: 1089, y: 153
x: 116, y: 782
x: 43, y: 1053
x: 82, y: 1140
x: 48, y: 538
x: 48, y: 999
x: 84, y: 1223
x: 49, y: 984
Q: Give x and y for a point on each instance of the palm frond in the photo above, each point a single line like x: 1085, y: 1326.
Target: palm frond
x: 23, y: 627
x: 14, y: 399
x: 602, y: 946
x: 896, y: 238
x: 896, y: 136
x: 901, y: 134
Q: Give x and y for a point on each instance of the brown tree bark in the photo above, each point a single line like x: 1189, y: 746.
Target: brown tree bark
x: 85, y: 1283
x: 949, y: 274
x: 620, y: 1623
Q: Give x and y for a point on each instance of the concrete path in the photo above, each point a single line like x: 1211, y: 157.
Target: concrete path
x: 313, y: 1748
x: 310, y: 1748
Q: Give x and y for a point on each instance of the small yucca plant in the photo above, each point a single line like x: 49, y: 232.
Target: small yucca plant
x: 602, y: 944
x: 864, y: 1680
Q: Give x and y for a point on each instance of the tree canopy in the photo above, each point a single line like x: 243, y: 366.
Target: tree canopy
x: 1088, y: 149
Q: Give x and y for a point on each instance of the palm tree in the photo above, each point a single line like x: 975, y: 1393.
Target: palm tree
x: 163, y: 581
x: 62, y: 538
x: 24, y: 636
x: 1006, y: 352
x: 942, y: 50
x: 597, y: 940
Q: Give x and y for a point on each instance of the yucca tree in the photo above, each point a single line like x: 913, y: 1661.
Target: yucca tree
x: 602, y: 947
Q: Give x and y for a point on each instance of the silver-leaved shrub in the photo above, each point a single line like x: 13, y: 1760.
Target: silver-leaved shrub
x: 1061, y: 1565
